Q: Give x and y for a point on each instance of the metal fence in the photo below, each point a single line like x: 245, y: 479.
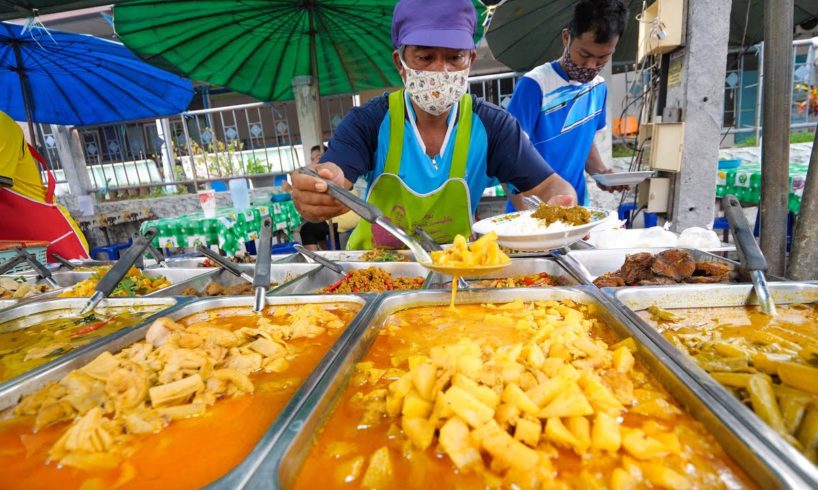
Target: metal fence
x: 256, y: 140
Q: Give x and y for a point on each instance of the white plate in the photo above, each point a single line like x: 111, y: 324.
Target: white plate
x: 538, y: 240
x: 621, y: 178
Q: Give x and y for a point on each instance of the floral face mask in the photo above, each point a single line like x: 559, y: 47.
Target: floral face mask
x: 581, y: 74
x: 435, y: 91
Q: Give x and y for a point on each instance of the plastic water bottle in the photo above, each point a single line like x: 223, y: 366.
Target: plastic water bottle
x: 240, y: 194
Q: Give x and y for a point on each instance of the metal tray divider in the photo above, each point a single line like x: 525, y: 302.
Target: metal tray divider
x: 239, y: 475
x: 32, y: 380
x: 288, y: 454
x: 767, y: 437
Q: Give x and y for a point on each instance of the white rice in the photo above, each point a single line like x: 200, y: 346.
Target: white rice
x: 526, y: 225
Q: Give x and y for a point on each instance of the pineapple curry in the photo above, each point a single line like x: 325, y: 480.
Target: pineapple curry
x: 159, y: 413
x: 517, y: 395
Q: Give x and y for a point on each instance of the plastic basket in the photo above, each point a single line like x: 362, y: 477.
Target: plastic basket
x: 8, y: 250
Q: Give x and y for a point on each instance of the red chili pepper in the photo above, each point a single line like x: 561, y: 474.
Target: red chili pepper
x: 335, y: 286
x: 90, y: 328
x: 528, y: 281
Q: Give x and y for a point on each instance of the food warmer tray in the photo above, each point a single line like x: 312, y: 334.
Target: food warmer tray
x: 323, y: 277
x: 348, y: 256
x: 636, y: 299
x: 279, y: 273
x: 587, y: 265
x: 7, y: 303
x: 518, y: 267
x: 12, y: 389
x: 238, y: 475
x: 758, y: 461
x: 70, y: 278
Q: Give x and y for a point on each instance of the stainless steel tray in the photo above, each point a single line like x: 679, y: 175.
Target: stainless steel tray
x: 587, y: 265
x: 348, y: 256
x: 241, y: 472
x: 7, y: 303
x: 279, y: 273
x: 323, y: 277
x: 13, y: 389
x: 281, y: 466
x: 179, y: 277
x: 713, y: 295
x: 518, y: 267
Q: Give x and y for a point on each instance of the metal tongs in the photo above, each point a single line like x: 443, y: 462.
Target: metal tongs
x: 750, y: 255
x: 65, y: 262
x: 264, y: 253
x: 111, y: 279
x: 224, y: 263
x: 329, y: 264
x: 158, y: 256
x: 43, y: 272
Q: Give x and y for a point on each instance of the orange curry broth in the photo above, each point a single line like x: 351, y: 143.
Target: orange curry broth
x: 187, y: 453
x: 433, y: 326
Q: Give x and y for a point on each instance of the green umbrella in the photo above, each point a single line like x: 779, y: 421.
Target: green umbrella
x: 527, y: 33
x: 257, y: 47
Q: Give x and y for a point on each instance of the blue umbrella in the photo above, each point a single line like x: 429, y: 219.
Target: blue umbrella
x: 55, y: 77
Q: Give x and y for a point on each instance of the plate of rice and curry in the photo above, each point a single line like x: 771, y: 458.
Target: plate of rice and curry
x: 545, y: 228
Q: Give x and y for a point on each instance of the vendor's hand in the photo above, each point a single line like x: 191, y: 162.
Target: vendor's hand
x: 309, y: 193
x: 612, y: 188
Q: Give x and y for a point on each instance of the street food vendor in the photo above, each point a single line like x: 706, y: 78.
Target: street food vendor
x: 561, y: 104
x: 428, y: 151
x: 27, y: 208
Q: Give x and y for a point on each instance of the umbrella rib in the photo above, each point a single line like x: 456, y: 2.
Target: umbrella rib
x: 520, y: 39
x: 320, y: 19
x: 261, y: 42
x: 354, y: 41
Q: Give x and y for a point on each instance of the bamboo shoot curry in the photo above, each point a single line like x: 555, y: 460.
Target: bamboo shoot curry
x: 176, y: 410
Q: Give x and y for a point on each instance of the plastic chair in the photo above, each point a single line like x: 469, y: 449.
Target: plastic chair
x: 790, y: 220
x: 218, y: 186
x: 111, y: 251
x: 627, y: 208
x: 284, y: 248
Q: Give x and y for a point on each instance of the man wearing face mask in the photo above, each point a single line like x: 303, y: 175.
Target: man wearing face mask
x: 428, y: 151
x: 561, y: 104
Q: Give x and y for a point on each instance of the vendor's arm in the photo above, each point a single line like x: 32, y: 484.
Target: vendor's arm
x: 513, y: 160
x: 350, y: 155
x: 594, y: 165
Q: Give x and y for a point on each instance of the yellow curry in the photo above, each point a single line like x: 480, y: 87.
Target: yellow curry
x: 177, y: 410
x: 510, y: 396
x: 31, y: 341
x: 769, y: 363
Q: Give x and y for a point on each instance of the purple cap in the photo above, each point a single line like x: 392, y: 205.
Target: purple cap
x: 434, y: 23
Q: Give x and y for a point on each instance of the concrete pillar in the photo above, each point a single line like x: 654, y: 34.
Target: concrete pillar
x: 604, y: 139
x: 699, y: 92
x: 163, y: 131
x: 69, y: 149
x: 309, y: 113
x: 775, y: 145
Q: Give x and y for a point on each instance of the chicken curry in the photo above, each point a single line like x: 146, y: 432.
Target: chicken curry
x: 176, y: 410
x: 510, y: 396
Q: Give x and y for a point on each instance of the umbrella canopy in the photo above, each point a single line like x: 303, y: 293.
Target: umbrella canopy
x: 257, y: 47
x: 527, y: 33
x: 16, y: 9
x: 72, y: 79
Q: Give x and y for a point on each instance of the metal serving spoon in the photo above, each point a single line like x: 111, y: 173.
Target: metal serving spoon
x: 374, y: 215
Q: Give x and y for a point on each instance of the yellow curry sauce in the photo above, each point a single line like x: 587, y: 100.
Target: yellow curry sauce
x: 496, y: 396
x: 185, y: 450
x: 31, y: 341
x: 769, y: 363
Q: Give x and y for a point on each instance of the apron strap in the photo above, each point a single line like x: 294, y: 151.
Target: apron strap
x: 397, y: 116
x: 51, y: 182
x: 462, y: 139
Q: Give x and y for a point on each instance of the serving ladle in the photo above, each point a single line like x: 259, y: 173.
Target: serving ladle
x: 374, y: 215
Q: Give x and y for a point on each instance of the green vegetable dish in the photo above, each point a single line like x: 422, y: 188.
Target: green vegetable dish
x: 31, y: 341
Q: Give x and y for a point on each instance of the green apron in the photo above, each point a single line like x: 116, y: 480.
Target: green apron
x: 442, y: 213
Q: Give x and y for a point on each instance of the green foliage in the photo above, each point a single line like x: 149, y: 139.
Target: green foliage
x: 802, y: 137
x: 217, y: 156
x: 623, y: 151
x: 253, y: 166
